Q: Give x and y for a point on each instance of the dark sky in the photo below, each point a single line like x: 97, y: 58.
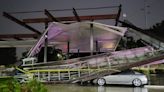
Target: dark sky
x: 143, y: 13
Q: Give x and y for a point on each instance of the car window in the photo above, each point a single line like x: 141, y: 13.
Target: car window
x: 137, y: 73
x: 127, y: 72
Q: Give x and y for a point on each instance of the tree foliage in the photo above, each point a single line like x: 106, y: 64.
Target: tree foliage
x: 12, y: 85
x: 157, y: 29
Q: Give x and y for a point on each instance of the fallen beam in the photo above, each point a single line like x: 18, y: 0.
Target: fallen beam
x: 20, y: 22
x: 144, y: 62
x: 128, y: 66
x: 141, y: 30
x: 71, y: 18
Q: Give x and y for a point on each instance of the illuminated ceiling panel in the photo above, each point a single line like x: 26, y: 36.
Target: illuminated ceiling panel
x: 78, y: 34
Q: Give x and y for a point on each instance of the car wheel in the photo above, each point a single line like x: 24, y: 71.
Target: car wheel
x: 137, y: 82
x: 101, y: 81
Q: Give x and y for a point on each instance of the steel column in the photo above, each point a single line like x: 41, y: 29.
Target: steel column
x: 91, y: 39
x: 68, y: 49
x: 46, y: 44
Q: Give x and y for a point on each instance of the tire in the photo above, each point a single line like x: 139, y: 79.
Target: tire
x: 92, y: 82
x: 101, y: 81
x: 137, y: 82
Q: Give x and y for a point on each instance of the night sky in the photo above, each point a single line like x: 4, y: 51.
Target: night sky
x: 142, y: 13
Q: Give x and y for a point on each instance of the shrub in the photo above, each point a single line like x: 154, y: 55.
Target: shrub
x: 10, y: 84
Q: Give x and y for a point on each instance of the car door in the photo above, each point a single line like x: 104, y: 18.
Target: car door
x: 124, y: 77
x: 112, y: 79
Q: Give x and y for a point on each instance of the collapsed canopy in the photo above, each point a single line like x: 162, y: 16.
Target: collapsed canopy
x: 80, y: 36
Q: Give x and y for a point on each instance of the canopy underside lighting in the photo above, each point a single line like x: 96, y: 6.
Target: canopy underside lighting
x: 105, y: 37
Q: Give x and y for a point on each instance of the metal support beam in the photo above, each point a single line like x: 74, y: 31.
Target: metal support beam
x: 141, y: 31
x: 46, y: 44
x: 97, y: 47
x: 50, y: 16
x: 24, y: 43
x: 17, y: 38
x: 78, y: 52
x: 91, y: 39
x: 71, y: 18
x: 68, y: 49
x: 118, y: 15
x: 20, y: 22
x: 76, y: 15
x: 45, y: 49
x: 4, y: 36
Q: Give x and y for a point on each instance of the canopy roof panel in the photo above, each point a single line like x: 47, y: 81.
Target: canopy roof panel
x: 78, y: 35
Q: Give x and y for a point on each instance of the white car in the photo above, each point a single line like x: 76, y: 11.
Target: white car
x: 127, y: 77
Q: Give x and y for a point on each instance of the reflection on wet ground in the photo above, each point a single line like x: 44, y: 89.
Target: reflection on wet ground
x: 78, y: 88
x: 155, y: 80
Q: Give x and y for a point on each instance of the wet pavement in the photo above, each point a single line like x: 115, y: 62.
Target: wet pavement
x: 108, y: 88
x: 157, y: 79
x: 156, y: 85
